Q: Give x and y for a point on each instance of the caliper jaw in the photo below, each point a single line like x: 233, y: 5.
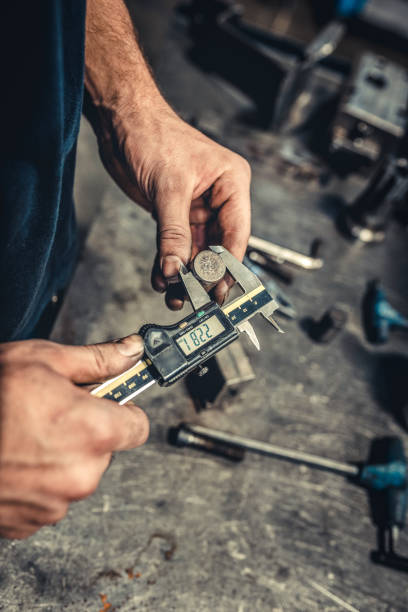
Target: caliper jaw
x: 196, y: 293
x: 248, y: 281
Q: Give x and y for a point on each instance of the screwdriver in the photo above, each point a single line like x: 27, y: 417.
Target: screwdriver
x: 374, y: 476
x: 386, y: 481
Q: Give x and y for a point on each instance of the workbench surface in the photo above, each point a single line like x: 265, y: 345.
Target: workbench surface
x: 172, y: 529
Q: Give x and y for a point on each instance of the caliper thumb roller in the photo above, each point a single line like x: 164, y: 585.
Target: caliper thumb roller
x: 172, y: 351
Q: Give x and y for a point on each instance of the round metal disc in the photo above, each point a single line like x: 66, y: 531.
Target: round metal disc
x: 208, y: 267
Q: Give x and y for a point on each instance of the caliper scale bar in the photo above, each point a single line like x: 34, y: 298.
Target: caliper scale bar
x: 139, y: 377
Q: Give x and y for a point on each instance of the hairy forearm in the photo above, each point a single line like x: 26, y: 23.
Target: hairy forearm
x: 117, y: 78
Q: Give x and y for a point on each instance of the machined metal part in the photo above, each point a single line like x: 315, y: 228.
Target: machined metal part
x: 295, y: 80
x: 235, y: 43
x: 181, y: 437
x: 208, y: 267
x: 272, y: 267
x: 228, y: 371
x: 264, y: 448
x: 371, y: 119
x: 284, y: 255
x: 367, y: 218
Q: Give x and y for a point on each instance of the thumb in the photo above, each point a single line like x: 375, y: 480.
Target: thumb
x: 96, y: 362
x: 173, y: 235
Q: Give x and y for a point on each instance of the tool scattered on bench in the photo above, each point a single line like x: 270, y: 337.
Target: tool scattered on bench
x: 228, y: 372
x: 387, y: 480
x: 367, y: 218
x: 328, y: 326
x: 172, y: 351
x: 379, y: 317
x: 379, y: 477
x: 283, y: 255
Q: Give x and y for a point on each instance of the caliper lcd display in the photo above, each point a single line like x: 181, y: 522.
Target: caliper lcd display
x: 200, y: 335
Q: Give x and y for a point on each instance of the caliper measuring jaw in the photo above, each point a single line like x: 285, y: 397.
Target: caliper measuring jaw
x: 172, y: 351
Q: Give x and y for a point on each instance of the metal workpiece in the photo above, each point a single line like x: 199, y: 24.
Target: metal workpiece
x: 296, y: 78
x: 228, y: 372
x: 284, y: 255
x: 208, y: 267
x: 179, y: 436
x: 371, y: 119
x: 264, y: 448
x: 367, y: 218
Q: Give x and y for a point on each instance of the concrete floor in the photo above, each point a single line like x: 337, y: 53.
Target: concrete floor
x: 175, y: 530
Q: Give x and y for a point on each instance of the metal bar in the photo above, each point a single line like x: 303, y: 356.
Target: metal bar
x: 264, y: 448
x: 282, y: 254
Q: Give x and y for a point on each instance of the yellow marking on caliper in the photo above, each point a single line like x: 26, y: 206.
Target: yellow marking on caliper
x: 242, y: 299
x: 121, y: 379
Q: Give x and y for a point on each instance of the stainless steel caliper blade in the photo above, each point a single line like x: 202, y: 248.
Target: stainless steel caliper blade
x: 252, y: 287
x: 249, y: 330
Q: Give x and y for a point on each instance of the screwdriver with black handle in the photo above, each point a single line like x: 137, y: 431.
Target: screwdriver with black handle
x: 388, y: 480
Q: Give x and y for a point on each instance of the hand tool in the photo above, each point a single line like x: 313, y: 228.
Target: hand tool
x: 285, y: 306
x: 284, y: 255
x: 328, y: 326
x: 172, y: 351
x: 387, y: 482
x: 394, y: 473
x: 272, y: 267
x: 379, y: 317
x: 389, y: 508
x: 367, y: 218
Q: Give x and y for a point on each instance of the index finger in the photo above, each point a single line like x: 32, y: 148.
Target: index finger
x: 234, y: 225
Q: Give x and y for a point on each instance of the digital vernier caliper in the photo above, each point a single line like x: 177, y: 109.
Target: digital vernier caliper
x: 172, y: 351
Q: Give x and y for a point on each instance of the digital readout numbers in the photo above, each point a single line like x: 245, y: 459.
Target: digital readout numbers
x: 200, y: 335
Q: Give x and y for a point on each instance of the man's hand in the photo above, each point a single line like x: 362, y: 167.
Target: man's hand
x: 56, y: 440
x: 197, y: 190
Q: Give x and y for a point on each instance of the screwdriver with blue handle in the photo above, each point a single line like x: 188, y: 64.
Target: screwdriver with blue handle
x: 388, y: 479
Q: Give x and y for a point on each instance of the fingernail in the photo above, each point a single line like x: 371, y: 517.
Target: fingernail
x: 222, y: 291
x: 131, y: 346
x: 160, y: 285
x: 170, y: 267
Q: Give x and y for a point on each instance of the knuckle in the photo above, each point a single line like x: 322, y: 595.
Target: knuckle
x: 103, y: 436
x: 174, y: 233
x: 244, y: 166
x: 100, y: 358
x: 173, y: 183
x: 142, y: 426
x: 81, y: 483
x: 56, y: 515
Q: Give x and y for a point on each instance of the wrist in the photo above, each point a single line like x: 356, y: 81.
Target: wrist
x: 110, y: 113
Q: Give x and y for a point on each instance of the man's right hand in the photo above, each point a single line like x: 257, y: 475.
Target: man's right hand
x: 56, y: 440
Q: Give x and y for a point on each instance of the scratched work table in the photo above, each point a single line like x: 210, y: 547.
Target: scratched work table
x: 172, y: 529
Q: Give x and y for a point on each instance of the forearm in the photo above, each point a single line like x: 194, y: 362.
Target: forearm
x: 117, y: 78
